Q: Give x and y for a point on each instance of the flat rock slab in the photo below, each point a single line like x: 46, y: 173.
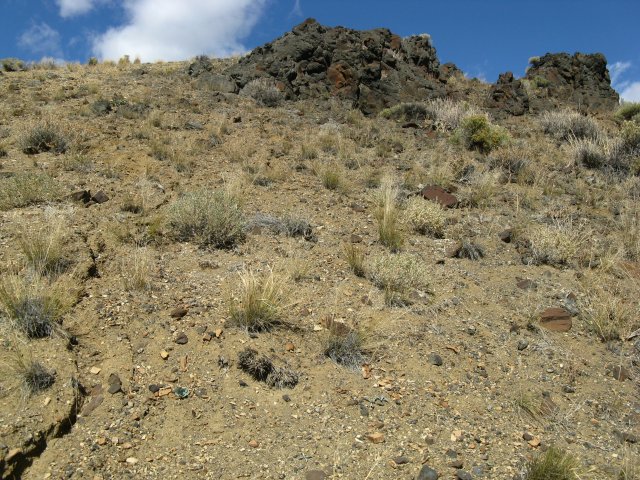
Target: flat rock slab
x: 556, y: 319
x: 440, y: 195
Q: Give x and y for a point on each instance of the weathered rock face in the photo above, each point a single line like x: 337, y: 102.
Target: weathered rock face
x: 580, y: 81
x: 374, y: 69
x: 508, y: 96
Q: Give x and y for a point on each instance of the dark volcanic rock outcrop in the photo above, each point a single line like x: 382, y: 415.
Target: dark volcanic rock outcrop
x: 508, y: 96
x: 374, y: 69
x: 580, y: 81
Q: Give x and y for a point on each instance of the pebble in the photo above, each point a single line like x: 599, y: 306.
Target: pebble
x: 462, y: 475
x: 427, y: 473
x: 315, y: 475
x: 435, y: 359
x: 523, y: 344
x: 153, y: 388
x: 181, y: 339
x: 254, y: 444
x: 401, y: 460
x: 164, y: 354
x: 178, y: 312
x: 375, y: 437
x: 132, y: 460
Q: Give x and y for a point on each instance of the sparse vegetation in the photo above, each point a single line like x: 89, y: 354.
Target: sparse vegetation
x: 345, y: 346
x: 400, y: 276
x: 427, y: 218
x: 24, y: 189
x: 44, y: 137
x: 558, y: 244
x: 44, y: 248
x: 388, y: 216
x: 213, y: 219
x: 264, y: 91
x: 566, y: 124
x: 355, y: 258
x: 629, y: 111
x: 260, y: 302
x: 552, y: 464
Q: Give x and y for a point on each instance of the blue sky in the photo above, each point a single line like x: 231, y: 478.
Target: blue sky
x: 483, y: 37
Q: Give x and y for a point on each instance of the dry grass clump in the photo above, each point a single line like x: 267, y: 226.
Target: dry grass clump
x: 44, y: 248
x: 481, y: 189
x: 260, y: 303
x: 22, y: 373
x: 213, y: 219
x: 552, y: 464
x: 607, y: 313
x: 355, y: 258
x: 399, y: 276
x: 263, y: 91
x: 288, y: 225
x: 629, y: 111
x: 24, y: 189
x: 345, y: 346
x: 558, y: 244
x: 446, y: 114
x: 136, y: 270
x: 33, y: 306
x: 331, y: 175
x: 45, y: 137
x: 262, y: 369
x: 515, y: 164
x: 565, y: 124
x: 426, y: 218
x: 388, y: 215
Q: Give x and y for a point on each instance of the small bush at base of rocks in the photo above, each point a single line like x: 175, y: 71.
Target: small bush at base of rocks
x: 566, y: 124
x: 262, y: 369
x: 210, y: 218
x: 263, y: 91
x: 477, y: 133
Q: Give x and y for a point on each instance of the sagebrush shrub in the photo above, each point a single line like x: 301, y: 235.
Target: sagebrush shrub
x: 425, y: 217
x: 263, y: 91
x: 566, y: 124
x: 210, y: 218
x: 399, y: 276
x: 477, y: 133
x: 44, y: 138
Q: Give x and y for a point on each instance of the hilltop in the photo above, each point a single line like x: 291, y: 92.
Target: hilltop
x: 334, y: 257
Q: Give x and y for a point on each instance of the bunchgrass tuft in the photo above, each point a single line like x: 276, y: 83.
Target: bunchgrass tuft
x: 213, y: 219
x: 399, y: 276
x: 260, y: 302
x: 566, y: 124
x: 44, y: 248
x: 346, y: 347
x: 24, y: 189
x: 388, y: 215
x: 426, y: 218
x: 44, y: 138
x: 355, y: 258
x: 553, y: 464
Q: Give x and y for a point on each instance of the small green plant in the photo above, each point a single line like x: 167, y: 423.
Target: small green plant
x: 355, y: 258
x: 388, y: 216
x: 13, y: 65
x: 264, y: 91
x: 43, y: 138
x: 92, y: 62
x: 213, y: 219
x: 629, y: 111
x: 425, y: 217
x: 331, y: 175
x: 399, y: 276
x: 552, y: 464
x: 477, y: 133
x: 259, y: 304
x: 308, y: 151
x: 32, y: 306
x: 24, y: 189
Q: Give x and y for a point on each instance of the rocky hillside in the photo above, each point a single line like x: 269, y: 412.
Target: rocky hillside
x: 331, y: 258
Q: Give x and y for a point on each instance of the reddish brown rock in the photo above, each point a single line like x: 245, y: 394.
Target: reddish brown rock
x: 440, y: 195
x: 556, y: 319
x: 178, y: 312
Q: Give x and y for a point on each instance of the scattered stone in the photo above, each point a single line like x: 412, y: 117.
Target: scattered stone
x: 100, y: 197
x: 534, y: 442
x: 439, y: 195
x: 556, y: 319
x: 115, y: 384
x: 568, y: 389
x: 435, y: 359
x: 254, y: 443
x: 526, y: 284
x: 94, y: 403
x: 286, y: 398
x: 427, y: 473
x: 181, y: 339
x: 83, y: 196
x: 132, y: 460
x: 375, y: 437
x: 95, y: 370
x: 401, y: 460
x: 462, y: 475
x: 315, y: 475
x: 179, y: 312
x: 527, y: 436
x: 523, y: 344
x: 181, y: 392
x: 153, y: 388
x: 289, y: 347
x: 626, y: 436
x: 355, y: 238
x: 356, y: 207
x: 620, y: 373
x: 457, y: 464
x: 164, y: 354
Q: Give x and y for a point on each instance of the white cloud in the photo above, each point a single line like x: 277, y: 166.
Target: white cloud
x: 71, y: 8
x: 296, y: 11
x: 177, y: 30
x: 631, y: 93
x: 617, y: 69
x: 40, y: 38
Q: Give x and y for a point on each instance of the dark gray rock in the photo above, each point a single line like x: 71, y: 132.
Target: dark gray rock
x: 372, y: 69
x: 427, y: 473
x: 435, y: 359
x: 508, y: 96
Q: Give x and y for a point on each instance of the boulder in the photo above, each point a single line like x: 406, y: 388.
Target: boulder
x: 580, y: 81
x: 508, y: 96
x: 372, y: 69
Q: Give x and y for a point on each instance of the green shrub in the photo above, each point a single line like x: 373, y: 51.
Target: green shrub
x: 26, y: 189
x: 629, y: 111
x: 13, y: 65
x: 43, y: 138
x: 210, y: 218
x: 477, y: 133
